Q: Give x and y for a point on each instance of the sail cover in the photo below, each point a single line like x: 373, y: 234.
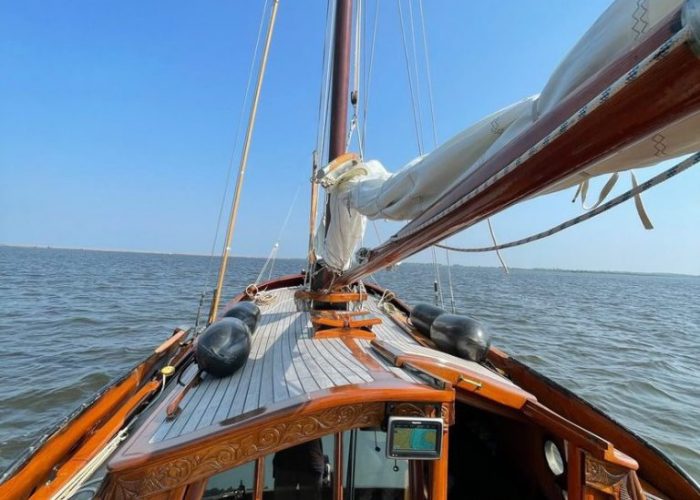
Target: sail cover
x: 361, y: 189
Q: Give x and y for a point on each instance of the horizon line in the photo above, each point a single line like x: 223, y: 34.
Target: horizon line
x: 182, y: 254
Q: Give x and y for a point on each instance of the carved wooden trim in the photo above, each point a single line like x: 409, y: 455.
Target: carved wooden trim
x: 414, y: 409
x: 603, y: 474
x: 238, y: 448
x: 448, y: 415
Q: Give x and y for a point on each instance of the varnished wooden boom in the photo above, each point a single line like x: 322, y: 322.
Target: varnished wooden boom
x: 667, y: 92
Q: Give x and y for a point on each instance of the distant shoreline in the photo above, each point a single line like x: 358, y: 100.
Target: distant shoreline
x: 178, y: 254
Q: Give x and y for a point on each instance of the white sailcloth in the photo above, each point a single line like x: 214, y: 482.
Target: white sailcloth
x: 369, y: 190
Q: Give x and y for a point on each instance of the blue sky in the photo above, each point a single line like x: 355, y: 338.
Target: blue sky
x: 118, y: 121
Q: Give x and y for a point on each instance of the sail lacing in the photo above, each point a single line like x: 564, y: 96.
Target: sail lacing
x: 632, y: 193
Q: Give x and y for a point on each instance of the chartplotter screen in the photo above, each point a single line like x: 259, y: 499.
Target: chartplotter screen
x: 414, y: 438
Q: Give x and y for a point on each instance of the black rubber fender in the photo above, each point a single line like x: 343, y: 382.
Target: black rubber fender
x: 461, y: 335
x: 223, y: 347
x: 247, y: 312
x: 423, y: 315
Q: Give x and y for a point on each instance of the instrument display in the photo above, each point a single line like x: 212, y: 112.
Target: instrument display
x: 414, y: 438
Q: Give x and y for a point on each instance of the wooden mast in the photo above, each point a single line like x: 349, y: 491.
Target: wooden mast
x: 341, y: 80
x: 340, y: 94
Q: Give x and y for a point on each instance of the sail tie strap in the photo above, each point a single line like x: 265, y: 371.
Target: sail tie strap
x: 583, y: 190
x: 605, y: 191
x: 634, y: 192
x: 639, y: 205
x: 495, y: 243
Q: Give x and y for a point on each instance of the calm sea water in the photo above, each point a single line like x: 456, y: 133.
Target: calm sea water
x: 71, y: 320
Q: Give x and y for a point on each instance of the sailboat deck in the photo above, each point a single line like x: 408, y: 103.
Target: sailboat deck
x: 284, y: 363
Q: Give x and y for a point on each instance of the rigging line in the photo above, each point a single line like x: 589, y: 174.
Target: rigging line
x: 417, y: 112
x: 434, y: 131
x: 326, y: 67
x: 437, y: 286
x: 235, y: 146
x: 275, y: 247
x: 355, y: 93
x: 289, y: 213
x: 355, y: 126
x: 449, y: 279
x: 358, y: 45
x: 376, y: 232
x: 427, y: 72
x: 416, y: 120
x: 414, y: 53
x: 368, y: 77
x: 658, y: 179
x: 495, y: 243
x: 270, y: 257
x: 363, y: 68
x: 321, y: 137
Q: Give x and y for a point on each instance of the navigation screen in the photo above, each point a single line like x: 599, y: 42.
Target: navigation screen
x: 417, y: 438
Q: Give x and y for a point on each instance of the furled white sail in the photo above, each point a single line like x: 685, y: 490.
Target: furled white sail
x: 367, y: 189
